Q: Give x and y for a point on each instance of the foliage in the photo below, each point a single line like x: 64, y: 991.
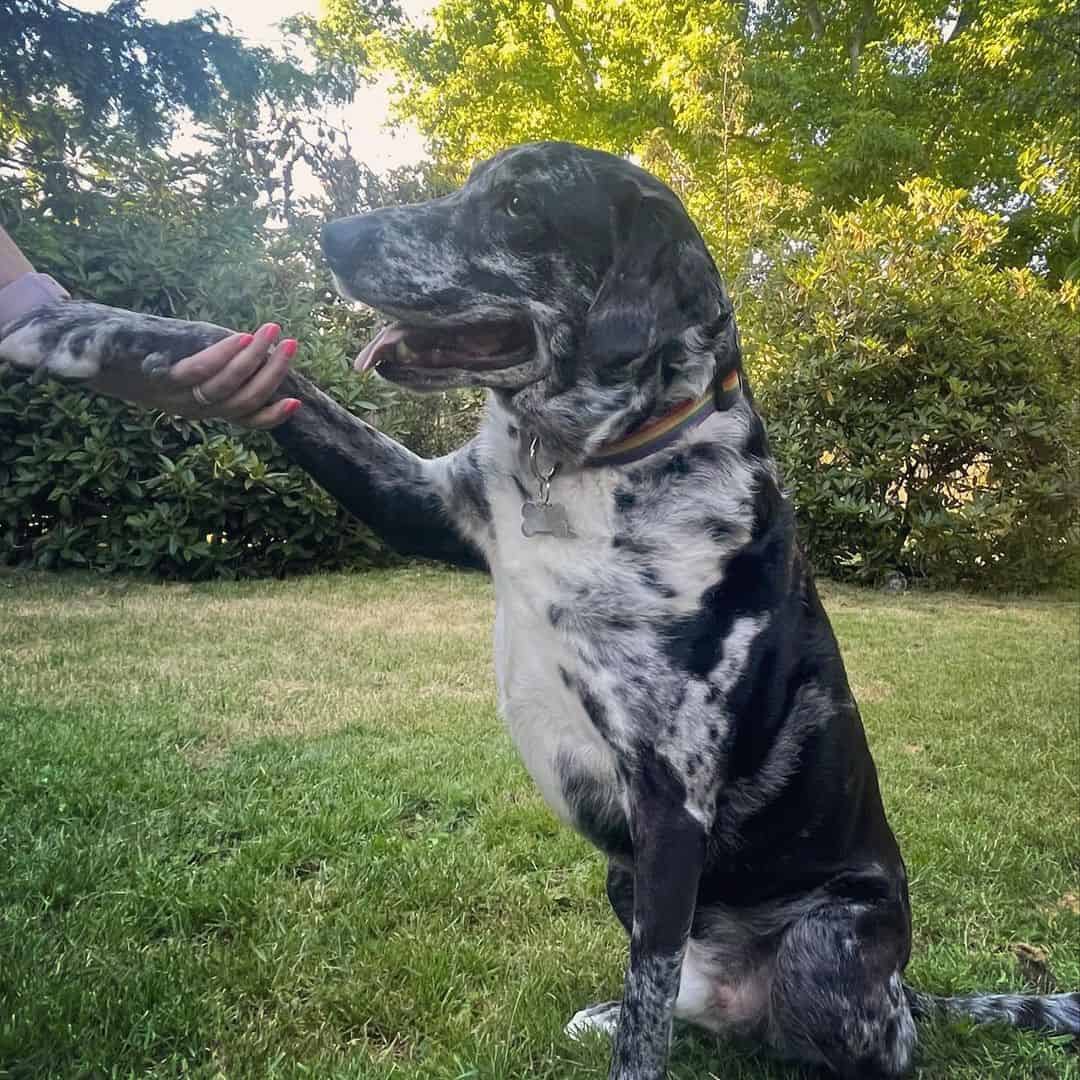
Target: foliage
x: 80, y: 90
x: 929, y: 368
x: 921, y: 401
x: 101, y: 71
x: 81, y: 485
x: 809, y: 141
x: 91, y: 482
x: 761, y: 115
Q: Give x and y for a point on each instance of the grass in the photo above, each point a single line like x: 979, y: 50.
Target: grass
x: 276, y: 830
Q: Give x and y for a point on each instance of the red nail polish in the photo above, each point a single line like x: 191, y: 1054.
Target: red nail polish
x: 291, y: 405
x: 289, y: 348
x: 271, y: 330
x: 246, y: 340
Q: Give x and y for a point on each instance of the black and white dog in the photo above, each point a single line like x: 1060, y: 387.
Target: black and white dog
x: 663, y: 661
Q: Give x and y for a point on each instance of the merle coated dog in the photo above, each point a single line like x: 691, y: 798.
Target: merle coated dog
x: 663, y: 661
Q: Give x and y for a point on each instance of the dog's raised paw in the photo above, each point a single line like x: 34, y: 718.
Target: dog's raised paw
x: 57, y: 340
x: 73, y: 340
x: 595, y: 1019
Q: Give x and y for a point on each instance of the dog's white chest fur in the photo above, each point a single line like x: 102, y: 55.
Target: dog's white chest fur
x: 581, y: 621
x: 534, y: 576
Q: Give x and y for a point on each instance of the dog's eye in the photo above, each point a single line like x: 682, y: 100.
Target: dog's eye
x: 515, y: 204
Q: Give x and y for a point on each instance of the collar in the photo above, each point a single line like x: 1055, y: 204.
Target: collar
x: 657, y: 434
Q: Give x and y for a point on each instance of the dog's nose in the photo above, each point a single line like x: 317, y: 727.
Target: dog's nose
x: 339, y: 241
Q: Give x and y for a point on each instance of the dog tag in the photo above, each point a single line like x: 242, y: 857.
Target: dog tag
x: 545, y: 518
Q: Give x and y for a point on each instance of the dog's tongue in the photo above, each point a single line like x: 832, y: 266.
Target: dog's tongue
x: 387, y: 338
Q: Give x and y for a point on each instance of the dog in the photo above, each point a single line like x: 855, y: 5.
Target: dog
x: 663, y: 661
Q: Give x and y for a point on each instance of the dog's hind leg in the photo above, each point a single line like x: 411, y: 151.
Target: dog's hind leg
x: 705, y: 999
x: 620, y: 892
x: 837, y: 998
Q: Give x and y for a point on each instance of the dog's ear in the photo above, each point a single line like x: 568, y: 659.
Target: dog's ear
x: 662, y: 279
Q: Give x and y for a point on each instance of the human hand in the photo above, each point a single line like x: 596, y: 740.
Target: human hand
x: 235, y: 379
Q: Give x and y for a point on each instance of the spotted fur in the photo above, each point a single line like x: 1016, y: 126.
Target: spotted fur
x: 666, y: 670
x: 1056, y: 1014
x: 73, y: 341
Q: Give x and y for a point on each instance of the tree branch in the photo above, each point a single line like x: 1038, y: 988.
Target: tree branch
x: 744, y: 16
x: 575, y: 44
x: 817, y: 20
x: 969, y: 13
x: 858, y: 37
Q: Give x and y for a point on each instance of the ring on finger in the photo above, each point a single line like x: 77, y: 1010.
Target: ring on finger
x: 200, y: 397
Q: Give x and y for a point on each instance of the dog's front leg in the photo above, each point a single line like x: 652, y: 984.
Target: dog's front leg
x: 77, y: 341
x: 669, y: 849
x: 437, y: 509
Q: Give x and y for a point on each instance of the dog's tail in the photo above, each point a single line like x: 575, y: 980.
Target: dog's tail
x: 1052, y: 1014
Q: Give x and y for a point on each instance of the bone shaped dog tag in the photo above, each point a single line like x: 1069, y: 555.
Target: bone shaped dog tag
x: 545, y: 518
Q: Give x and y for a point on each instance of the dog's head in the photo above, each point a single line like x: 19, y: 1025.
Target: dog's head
x: 569, y: 281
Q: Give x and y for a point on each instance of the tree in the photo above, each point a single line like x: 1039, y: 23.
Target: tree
x: 891, y: 188
x: 765, y: 114
x: 78, y: 87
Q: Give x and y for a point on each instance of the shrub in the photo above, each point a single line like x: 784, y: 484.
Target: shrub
x: 921, y: 399
x: 94, y: 483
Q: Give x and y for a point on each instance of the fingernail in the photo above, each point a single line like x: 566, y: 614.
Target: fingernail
x: 291, y: 405
x: 246, y: 340
x: 270, y: 330
x: 289, y: 347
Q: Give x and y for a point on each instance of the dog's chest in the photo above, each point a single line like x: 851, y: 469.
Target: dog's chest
x: 581, y: 623
x: 536, y: 577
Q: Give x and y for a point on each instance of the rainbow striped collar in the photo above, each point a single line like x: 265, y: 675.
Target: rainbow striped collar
x: 657, y: 434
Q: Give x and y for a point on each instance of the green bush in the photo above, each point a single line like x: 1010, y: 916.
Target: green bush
x: 921, y: 399
x: 90, y: 482
x: 94, y: 483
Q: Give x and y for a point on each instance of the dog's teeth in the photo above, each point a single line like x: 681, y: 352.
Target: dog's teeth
x: 404, y: 353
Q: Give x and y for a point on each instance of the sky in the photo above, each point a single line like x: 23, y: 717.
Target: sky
x: 365, y: 119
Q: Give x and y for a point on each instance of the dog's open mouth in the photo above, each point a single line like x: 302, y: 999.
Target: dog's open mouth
x: 480, y: 346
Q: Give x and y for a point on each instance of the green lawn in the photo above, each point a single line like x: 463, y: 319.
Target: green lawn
x: 276, y: 830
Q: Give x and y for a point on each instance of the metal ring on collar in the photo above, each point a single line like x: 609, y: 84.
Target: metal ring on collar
x: 544, y: 478
x: 200, y: 397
